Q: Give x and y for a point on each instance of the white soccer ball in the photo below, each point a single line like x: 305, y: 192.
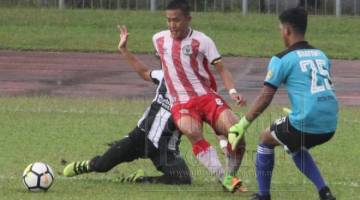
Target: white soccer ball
x: 38, y: 176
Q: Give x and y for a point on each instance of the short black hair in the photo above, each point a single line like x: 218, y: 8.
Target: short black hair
x: 182, y: 5
x: 296, y: 18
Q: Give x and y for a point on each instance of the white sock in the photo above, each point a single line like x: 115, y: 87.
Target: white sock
x: 234, y: 159
x: 208, y: 157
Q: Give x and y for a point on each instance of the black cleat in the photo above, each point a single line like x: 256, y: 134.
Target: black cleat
x: 325, y: 194
x: 257, y: 196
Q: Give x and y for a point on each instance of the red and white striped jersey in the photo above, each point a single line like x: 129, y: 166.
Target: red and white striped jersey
x: 186, y: 64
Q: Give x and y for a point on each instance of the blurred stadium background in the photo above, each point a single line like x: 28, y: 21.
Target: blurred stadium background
x: 317, y: 7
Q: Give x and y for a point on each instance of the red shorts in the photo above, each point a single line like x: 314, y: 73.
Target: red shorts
x: 202, y: 108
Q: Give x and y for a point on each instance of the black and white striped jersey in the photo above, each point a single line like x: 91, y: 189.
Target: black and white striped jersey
x: 157, y: 122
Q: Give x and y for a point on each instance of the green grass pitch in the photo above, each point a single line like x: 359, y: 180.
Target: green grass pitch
x: 49, y: 129
x: 234, y: 34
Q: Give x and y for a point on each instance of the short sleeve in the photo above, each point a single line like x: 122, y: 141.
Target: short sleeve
x: 154, y: 44
x: 210, y: 51
x: 275, y: 74
x: 330, y: 67
x: 156, y: 76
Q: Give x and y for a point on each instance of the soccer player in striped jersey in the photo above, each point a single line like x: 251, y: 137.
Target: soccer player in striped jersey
x: 155, y: 137
x: 185, y: 56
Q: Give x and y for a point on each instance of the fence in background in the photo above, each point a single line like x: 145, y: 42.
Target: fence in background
x: 316, y: 7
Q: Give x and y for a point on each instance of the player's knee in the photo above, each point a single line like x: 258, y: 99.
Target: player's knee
x: 192, y: 134
x: 190, y: 128
x: 261, y: 138
x: 195, y: 138
x: 265, y: 137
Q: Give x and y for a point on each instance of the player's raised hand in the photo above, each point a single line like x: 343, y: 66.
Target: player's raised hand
x: 122, y: 37
x: 238, y: 98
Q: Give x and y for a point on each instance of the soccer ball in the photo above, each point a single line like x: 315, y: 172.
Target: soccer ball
x: 38, y: 176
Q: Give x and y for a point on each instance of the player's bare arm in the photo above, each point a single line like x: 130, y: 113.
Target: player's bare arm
x: 261, y: 103
x: 134, y: 62
x: 229, y: 84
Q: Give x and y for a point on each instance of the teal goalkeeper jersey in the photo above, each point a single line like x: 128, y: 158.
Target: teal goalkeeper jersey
x: 306, y: 74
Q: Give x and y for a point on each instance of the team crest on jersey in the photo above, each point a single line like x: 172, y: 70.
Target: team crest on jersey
x: 219, y: 102
x: 187, y: 50
x: 269, y: 74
